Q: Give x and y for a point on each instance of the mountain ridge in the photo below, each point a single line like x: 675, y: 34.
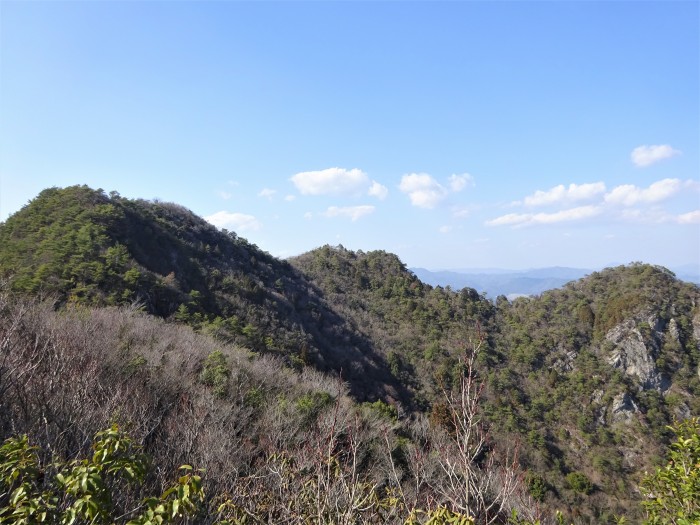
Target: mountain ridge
x: 533, y: 281
x: 586, y: 376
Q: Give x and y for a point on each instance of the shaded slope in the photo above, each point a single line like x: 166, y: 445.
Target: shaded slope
x: 91, y: 248
x: 420, y: 329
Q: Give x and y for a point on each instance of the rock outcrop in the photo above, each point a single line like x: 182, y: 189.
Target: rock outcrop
x: 636, y: 344
x: 623, y: 408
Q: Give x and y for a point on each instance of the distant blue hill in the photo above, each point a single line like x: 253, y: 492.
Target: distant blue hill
x: 496, y: 281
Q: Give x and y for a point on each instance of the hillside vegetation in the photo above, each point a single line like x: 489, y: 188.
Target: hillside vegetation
x: 211, y: 352
x: 85, y: 247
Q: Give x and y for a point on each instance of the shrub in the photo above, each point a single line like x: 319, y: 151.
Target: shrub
x: 578, y: 482
x: 87, y: 490
x: 310, y: 405
x: 215, y: 373
x: 673, y: 492
x: 537, y: 486
x: 383, y: 409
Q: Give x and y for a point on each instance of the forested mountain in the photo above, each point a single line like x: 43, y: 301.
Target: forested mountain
x: 588, y: 376
x: 86, y: 247
x: 215, y: 353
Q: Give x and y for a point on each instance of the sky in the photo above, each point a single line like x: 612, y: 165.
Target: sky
x: 454, y: 134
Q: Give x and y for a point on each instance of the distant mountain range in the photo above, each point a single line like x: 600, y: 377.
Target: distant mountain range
x: 515, y: 283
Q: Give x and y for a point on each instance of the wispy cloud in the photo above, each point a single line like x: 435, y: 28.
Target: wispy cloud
x: 378, y: 190
x: 225, y: 195
x: 692, y: 217
x: 656, y: 215
x: 561, y: 194
x: 234, y: 221
x: 462, y: 212
x: 289, y: 198
x: 423, y: 190
x: 644, y: 156
x: 267, y: 193
x: 353, y: 212
x: 459, y: 182
x: 629, y: 194
x: 331, y: 181
x: 529, y: 219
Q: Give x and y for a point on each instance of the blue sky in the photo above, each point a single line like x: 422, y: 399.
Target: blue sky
x: 456, y: 135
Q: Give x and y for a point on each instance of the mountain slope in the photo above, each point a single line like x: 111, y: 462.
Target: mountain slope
x: 591, y: 374
x: 420, y: 329
x: 584, y: 378
x: 90, y: 248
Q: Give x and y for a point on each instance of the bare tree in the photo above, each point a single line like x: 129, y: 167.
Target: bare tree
x: 476, y: 480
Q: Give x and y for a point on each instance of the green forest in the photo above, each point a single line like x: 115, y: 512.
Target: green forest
x: 154, y: 369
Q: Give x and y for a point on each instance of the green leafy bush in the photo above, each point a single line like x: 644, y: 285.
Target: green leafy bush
x: 579, y: 482
x: 673, y: 492
x: 537, y: 486
x: 86, y: 490
x: 309, y: 405
x: 215, y: 373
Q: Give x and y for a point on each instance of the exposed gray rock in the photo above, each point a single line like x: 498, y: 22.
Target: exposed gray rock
x: 601, y: 410
x: 634, y: 352
x: 597, y: 395
x: 682, y: 411
x: 632, y: 455
x: 673, y: 331
x: 623, y: 408
x: 565, y: 363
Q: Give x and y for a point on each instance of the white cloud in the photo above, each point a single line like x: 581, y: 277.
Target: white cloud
x: 445, y: 229
x: 331, y: 181
x: 657, y: 215
x: 308, y: 215
x: 423, y: 190
x: 289, y: 198
x: 562, y: 194
x: 459, y: 182
x: 643, y: 156
x: 234, y: 221
x: 692, y: 217
x: 267, y: 193
x: 353, y: 212
x: 461, y: 212
x: 378, y: 190
x: 225, y: 195
x: 510, y: 219
x: 529, y: 219
x: 629, y: 194
x: 632, y: 215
